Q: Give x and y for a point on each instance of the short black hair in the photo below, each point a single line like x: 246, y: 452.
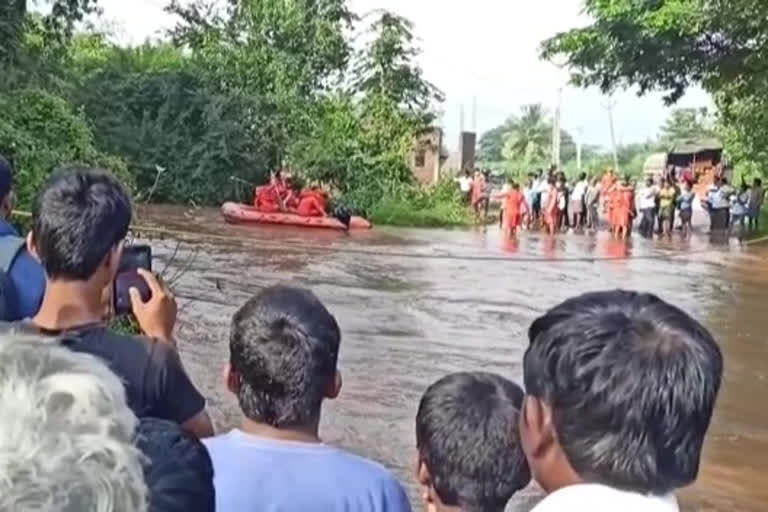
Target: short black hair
x: 583, y: 176
x: 79, y: 216
x: 6, y: 176
x: 632, y: 382
x: 467, y: 435
x: 284, y: 345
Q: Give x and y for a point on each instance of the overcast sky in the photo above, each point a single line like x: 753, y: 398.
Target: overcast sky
x: 483, y: 49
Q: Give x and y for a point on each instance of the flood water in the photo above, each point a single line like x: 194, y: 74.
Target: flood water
x: 417, y: 304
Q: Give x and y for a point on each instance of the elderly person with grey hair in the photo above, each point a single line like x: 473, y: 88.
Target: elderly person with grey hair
x: 66, y: 433
x: 70, y: 443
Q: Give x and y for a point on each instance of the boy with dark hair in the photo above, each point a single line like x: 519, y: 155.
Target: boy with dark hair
x: 620, y: 389
x: 22, y: 277
x: 81, y: 218
x: 470, y: 458
x: 284, y: 347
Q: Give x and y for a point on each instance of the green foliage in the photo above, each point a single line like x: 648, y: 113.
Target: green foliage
x: 529, y: 141
x: 491, y: 143
x: 686, y: 124
x: 523, y: 143
x: 12, y: 14
x: 438, y: 206
x: 386, y: 68
x: 360, y: 143
x: 152, y: 106
x: 669, y: 45
x: 358, y: 148
x: 55, y: 28
x: 273, y: 56
x: 40, y: 132
x: 240, y: 89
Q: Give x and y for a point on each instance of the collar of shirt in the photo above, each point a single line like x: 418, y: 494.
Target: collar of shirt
x: 7, y: 229
x: 601, y: 498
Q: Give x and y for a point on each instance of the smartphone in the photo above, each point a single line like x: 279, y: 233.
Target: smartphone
x: 134, y: 257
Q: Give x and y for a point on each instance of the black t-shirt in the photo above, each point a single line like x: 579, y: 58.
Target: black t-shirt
x: 156, y: 383
x: 178, y: 472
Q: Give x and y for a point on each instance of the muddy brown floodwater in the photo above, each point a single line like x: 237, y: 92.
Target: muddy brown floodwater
x: 416, y: 304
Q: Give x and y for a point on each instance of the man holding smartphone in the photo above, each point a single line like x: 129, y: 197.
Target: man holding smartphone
x: 81, y: 218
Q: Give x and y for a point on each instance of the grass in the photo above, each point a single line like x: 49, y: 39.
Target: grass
x: 763, y: 231
x: 406, y: 213
x: 435, y: 206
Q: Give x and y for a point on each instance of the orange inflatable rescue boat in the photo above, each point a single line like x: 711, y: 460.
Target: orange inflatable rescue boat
x: 236, y: 213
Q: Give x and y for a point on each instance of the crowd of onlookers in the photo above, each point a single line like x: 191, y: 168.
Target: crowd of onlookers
x: 554, y: 203
x: 620, y: 389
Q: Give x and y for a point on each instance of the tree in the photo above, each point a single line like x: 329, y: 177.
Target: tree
x: 360, y: 142
x: 387, y: 67
x: 525, y: 141
x: 668, y: 45
x: 58, y: 23
x: 12, y: 14
x: 40, y: 132
x: 153, y: 106
x: 529, y: 141
x: 491, y: 143
x: 686, y: 124
x: 277, y: 56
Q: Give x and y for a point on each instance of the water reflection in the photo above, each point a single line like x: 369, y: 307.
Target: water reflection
x: 416, y: 304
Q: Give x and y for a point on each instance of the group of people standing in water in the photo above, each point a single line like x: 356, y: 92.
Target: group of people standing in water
x: 551, y: 202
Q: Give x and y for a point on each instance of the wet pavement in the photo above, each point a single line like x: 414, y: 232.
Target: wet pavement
x: 417, y: 304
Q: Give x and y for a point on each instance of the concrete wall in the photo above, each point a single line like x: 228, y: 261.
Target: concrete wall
x: 425, y: 160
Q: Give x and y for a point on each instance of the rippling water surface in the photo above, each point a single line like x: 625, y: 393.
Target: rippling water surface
x: 416, y: 304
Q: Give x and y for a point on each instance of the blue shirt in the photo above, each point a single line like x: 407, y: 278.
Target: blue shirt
x: 28, y: 281
x: 253, y: 474
x: 685, y: 200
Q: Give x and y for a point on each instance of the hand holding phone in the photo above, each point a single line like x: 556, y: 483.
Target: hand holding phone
x: 133, y: 257
x: 157, y: 315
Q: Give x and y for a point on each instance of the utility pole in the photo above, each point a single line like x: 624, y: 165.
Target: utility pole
x: 609, y: 107
x: 579, y: 135
x: 556, y: 130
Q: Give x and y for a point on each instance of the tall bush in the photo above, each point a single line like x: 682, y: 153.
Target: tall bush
x: 40, y: 132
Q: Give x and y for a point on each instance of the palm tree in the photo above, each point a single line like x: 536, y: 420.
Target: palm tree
x: 528, y: 141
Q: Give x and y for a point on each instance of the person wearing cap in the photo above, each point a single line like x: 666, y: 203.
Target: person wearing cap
x: 24, y: 283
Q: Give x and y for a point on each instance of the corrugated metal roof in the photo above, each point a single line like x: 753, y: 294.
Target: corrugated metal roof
x: 691, y: 147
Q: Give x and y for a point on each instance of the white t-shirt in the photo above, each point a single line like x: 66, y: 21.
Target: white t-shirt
x: 720, y: 197
x: 601, y: 498
x: 647, y: 199
x: 465, y: 183
x: 579, y: 190
x: 542, y: 186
